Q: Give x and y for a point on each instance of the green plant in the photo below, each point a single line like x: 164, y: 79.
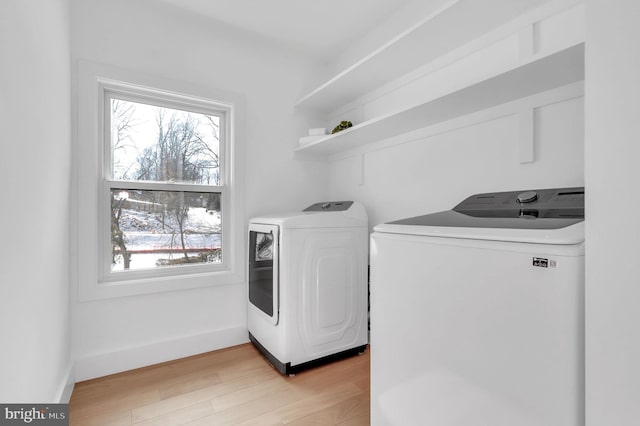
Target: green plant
x: 340, y: 127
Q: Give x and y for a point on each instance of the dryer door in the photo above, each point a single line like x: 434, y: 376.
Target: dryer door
x: 263, y: 269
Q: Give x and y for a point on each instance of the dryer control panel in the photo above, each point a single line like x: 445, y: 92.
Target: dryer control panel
x: 329, y: 206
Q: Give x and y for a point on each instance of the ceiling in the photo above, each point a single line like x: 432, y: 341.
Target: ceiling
x: 317, y: 27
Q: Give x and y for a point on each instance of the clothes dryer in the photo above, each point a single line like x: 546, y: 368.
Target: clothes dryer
x: 308, y: 295
x: 477, y: 313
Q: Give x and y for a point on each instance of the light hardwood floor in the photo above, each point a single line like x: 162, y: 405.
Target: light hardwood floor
x: 234, y: 386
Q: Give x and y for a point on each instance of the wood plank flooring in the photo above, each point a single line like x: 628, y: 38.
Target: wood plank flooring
x: 234, y: 386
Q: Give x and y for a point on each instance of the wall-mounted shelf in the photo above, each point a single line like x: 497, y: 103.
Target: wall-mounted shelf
x: 389, y: 61
x: 530, y: 77
x: 413, y: 47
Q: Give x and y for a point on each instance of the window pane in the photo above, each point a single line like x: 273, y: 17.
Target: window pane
x: 153, y: 229
x: 153, y: 143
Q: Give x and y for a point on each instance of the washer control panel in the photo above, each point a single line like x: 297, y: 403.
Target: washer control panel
x: 525, y: 209
x: 555, y: 202
x: 329, y: 206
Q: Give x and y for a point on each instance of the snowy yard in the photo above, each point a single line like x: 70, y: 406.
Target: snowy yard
x: 148, y: 238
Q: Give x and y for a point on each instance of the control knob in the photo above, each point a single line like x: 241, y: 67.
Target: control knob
x: 527, y: 197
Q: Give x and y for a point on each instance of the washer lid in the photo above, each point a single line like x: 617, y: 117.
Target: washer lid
x: 540, y: 216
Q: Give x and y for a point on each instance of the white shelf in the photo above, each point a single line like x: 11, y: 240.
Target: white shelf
x: 389, y: 61
x: 534, y: 76
x: 419, y: 44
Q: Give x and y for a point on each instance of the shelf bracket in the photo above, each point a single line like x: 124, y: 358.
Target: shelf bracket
x: 526, y: 135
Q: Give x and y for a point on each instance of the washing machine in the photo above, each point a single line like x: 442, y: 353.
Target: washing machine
x: 308, y: 284
x: 477, y: 313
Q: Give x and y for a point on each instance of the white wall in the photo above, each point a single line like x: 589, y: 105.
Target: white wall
x: 153, y: 38
x: 612, y: 227
x: 35, y: 168
x: 435, y: 168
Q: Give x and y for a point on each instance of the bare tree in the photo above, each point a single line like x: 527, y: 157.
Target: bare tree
x: 117, y: 235
x: 122, y: 124
x: 180, y: 154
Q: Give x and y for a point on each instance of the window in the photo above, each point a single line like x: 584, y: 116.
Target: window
x: 159, y: 176
x: 164, y: 181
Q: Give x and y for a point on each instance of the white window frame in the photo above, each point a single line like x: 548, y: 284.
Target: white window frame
x: 115, y: 90
x: 96, y: 85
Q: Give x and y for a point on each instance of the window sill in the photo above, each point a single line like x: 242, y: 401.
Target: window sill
x: 158, y: 284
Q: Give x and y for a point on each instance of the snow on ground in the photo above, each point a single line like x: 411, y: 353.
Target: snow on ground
x: 139, y: 261
x: 146, y: 231
x: 145, y: 241
x: 199, y: 221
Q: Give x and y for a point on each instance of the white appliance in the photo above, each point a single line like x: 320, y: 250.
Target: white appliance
x: 308, y: 284
x: 477, y: 313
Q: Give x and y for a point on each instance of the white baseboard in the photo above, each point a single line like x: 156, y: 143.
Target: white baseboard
x: 66, y: 387
x: 99, y: 365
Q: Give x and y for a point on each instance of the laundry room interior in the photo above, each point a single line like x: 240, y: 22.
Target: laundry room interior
x: 334, y: 124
